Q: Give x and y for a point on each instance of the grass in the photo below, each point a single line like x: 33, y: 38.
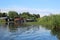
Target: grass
x: 32, y: 23
x: 2, y: 21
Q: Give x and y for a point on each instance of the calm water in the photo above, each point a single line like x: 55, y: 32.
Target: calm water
x: 25, y: 32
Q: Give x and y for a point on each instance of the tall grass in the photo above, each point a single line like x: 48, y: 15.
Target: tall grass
x: 51, y: 20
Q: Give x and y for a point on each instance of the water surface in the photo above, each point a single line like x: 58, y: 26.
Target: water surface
x: 26, y: 32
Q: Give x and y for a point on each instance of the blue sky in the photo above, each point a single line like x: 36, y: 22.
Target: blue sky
x: 43, y: 7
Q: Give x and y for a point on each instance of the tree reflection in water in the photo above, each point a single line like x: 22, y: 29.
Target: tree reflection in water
x: 21, y: 28
x: 12, y: 27
x: 56, y: 32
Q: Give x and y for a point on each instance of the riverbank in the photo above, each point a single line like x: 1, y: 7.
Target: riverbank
x: 51, y: 20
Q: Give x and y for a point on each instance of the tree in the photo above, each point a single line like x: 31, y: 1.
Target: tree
x: 0, y: 14
x: 4, y: 14
x: 12, y: 14
x: 36, y: 15
x: 25, y: 15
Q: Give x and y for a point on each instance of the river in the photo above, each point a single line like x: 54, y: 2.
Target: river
x: 26, y: 32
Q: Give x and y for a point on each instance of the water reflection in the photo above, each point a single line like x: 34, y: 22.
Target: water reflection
x: 13, y: 31
x: 21, y: 28
x: 56, y: 32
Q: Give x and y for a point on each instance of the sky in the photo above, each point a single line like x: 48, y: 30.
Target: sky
x: 42, y: 7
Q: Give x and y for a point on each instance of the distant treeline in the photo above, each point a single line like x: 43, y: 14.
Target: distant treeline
x: 13, y: 14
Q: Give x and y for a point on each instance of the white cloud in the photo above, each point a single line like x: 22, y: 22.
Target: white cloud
x: 42, y: 12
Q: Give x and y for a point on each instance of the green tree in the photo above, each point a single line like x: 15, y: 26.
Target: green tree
x: 4, y: 14
x: 12, y: 14
x: 25, y: 15
x: 36, y: 15
x: 0, y: 14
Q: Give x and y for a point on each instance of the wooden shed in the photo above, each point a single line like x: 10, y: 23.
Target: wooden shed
x: 19, y: 20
